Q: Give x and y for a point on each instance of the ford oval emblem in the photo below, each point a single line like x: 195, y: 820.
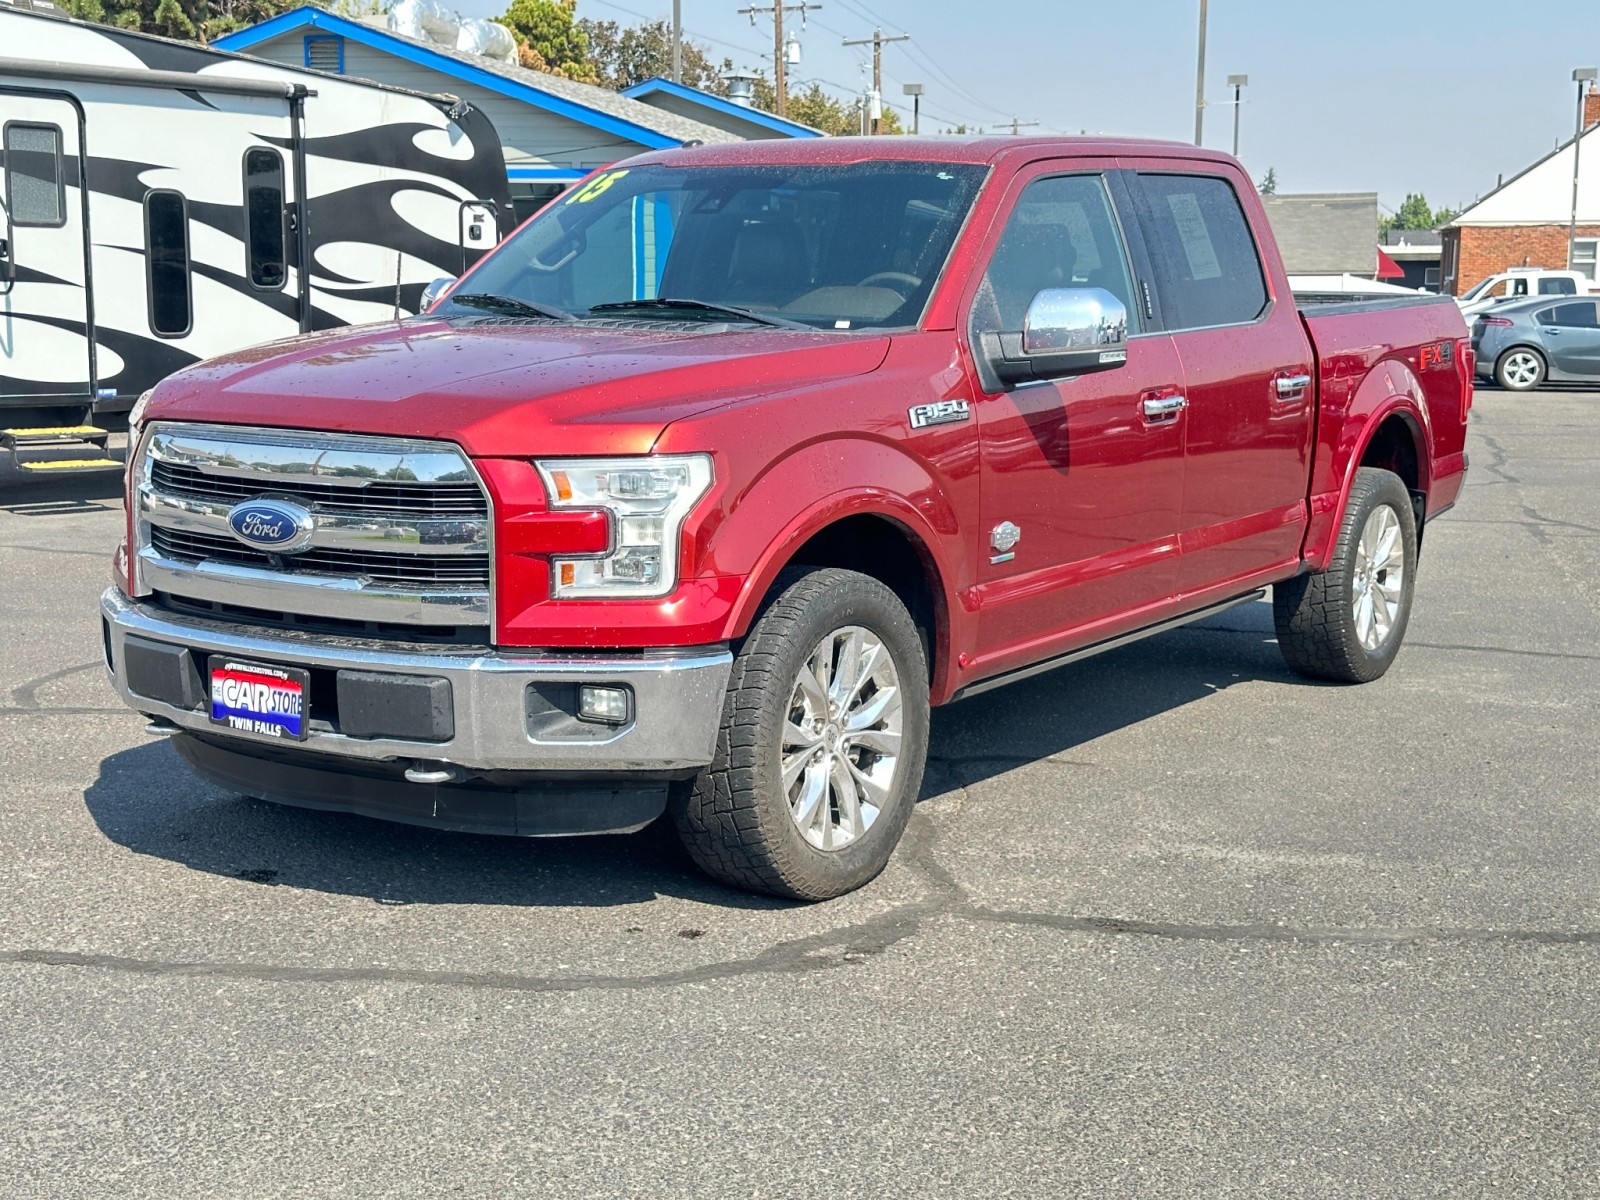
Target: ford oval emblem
x: 274, y: 525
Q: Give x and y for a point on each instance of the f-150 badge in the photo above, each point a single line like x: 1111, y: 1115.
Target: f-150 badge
x: 942, y: 412
x: 1004, y: 539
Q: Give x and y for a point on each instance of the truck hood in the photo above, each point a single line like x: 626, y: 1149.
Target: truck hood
x: 508, y: 390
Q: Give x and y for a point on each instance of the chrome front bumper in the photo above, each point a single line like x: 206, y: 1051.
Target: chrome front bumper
x: 677, y: 697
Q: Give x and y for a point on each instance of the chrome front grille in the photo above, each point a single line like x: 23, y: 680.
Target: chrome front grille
x: 396, y: 570
x: 445, y: 498
x: 400, y: 529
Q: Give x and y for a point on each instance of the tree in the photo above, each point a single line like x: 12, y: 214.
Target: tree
x: 1269, y: 183
x: 550, y: 39
x: 1414, y: 213
x: 197, y: 20
x: 626, y: 55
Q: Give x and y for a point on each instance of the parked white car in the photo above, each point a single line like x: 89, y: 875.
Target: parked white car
x: 1518, y: 284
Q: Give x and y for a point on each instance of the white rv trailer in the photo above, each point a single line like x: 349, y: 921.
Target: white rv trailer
x: 162, y: 203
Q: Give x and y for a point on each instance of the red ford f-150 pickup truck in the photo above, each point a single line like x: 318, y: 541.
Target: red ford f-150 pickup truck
x: 697, y: 493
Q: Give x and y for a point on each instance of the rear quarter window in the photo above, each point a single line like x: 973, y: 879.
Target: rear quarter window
x: 1207, y: 269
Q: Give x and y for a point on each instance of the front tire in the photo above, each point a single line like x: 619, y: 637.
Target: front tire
x: 1346, y: 623
x: 1520, y: 369
x: 823, y: 742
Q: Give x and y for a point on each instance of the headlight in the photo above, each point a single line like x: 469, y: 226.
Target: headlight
x: 136, y: 419
x: 648, y: 499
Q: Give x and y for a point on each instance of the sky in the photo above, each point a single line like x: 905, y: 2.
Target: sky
x: 1352, y: 95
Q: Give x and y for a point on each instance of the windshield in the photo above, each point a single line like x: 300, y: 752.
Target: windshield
x: 837, y: 247
x: 1480, y: 287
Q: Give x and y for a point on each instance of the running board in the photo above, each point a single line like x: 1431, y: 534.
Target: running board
x: 1126, y: 639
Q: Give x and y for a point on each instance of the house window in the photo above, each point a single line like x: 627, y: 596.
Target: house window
x: 1430, y: 276
x: 1583, y: 256
x: 34, y: 175
x: 325, y: 53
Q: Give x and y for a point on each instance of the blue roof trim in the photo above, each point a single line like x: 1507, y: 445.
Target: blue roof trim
x: 717, y: 104
x: 545, y: 174
x: 378, y: 39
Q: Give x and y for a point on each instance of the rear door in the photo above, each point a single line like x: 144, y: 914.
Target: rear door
x: 1571, y: 333
x: 46, y: 347
x: 1247, y: 377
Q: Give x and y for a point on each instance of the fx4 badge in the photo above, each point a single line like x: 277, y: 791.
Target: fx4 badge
x: 943, y: 412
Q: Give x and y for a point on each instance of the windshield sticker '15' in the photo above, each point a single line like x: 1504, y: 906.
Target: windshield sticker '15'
x: 594, y: 187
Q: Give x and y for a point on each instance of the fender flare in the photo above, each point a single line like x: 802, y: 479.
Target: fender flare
x: 1390, y: 389
x: 905, y: 494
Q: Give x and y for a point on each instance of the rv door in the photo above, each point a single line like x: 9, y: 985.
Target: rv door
x: 46, y: 341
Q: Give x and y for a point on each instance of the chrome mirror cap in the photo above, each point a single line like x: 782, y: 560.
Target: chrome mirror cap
x: 434, y: 290
x: 1063, y: 319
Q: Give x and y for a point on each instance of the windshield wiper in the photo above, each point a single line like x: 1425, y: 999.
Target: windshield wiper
x: 664, y: 303
x: 511, y: 306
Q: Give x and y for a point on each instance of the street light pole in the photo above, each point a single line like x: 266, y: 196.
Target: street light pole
x: 1237, y: 83
x: 1580, y: 77
x: 914, y: 90
x: 1200, y: 80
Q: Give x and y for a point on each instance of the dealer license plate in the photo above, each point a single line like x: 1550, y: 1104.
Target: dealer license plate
x: 256, y: 698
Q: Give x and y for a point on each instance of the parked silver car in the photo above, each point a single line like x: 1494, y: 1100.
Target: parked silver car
x: 1524, y: 343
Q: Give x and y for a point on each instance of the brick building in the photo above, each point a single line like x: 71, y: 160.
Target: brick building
x: 1523, y: 222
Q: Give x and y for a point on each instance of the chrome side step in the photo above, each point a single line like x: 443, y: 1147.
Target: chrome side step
x: 1126, y: 639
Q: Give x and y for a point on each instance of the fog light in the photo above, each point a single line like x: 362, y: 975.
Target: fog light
x: 609, y: 705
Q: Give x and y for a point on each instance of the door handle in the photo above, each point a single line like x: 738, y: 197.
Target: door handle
x: 1164, y: 408
x: 1292, y: 387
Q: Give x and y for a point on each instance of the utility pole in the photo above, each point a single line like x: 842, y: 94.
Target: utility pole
x: 780, y: 74
x: 1580, y: 77
x: 1016, y: 126
x: 677, y: 41
x: 877, y: 41
x: 1200, y: 80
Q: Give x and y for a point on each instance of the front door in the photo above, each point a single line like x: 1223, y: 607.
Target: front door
x: 46, y: 347
x: 1571, y: 333
x: 1084, y: 473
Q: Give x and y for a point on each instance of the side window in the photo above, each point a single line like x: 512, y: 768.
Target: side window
x: 1061, y: 234
x: 1203, y: 255
x: 1519, y: 287
x: 1579, y: 314
x: 263, y: 210
x: 1557, y: 285
x: 34, y: 174
x: 166, y: 239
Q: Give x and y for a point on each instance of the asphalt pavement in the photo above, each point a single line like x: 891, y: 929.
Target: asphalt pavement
x: 1171, y: 922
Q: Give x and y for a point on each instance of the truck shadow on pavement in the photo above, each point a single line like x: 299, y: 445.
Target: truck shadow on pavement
x: 146, y: 799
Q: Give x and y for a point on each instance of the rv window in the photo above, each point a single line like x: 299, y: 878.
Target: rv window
x: 263, y: 208
x: 33, y: 174
x: 166, y: 239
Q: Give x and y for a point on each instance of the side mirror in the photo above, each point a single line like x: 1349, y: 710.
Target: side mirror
x: 431, y: 293
x: 1067, y: 331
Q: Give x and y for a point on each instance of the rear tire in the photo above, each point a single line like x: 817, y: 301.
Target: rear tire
x: 1520, y: 369
x: 1346, y: 623
x: 823, y: 742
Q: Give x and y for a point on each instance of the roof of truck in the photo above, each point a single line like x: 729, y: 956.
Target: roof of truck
x: 841, y: 150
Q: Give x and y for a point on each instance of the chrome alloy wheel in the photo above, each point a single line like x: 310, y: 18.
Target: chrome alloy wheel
x: 1521, y: 368
x: 1378, y: 587
x: 841, y: 738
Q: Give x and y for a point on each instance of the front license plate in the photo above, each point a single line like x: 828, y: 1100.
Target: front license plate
x: 256, y: 698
